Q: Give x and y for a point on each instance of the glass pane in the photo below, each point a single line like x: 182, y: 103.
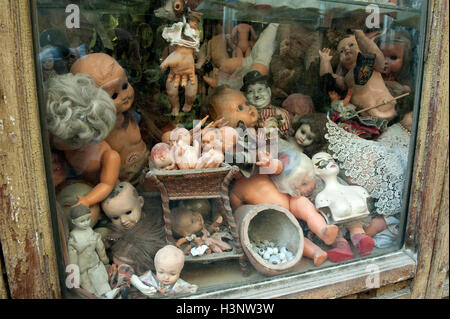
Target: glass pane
x: 261, y: 138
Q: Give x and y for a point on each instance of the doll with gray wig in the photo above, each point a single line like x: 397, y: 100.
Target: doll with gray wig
x: 79, y: 116
x: 79, y: 112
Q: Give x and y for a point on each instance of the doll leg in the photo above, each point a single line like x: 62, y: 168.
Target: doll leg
x: 190, y: 94
x: 341, y: 251
x: 172, y: 95
x: 314, y: 252
x: 377, y: 225
x: 364, y: 244
x: 302, y: 208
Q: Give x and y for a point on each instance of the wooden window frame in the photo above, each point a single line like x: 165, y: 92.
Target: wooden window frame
x: 29, y: 265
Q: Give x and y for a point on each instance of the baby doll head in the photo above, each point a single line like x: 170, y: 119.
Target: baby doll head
x: 66, y: 197
x: 169, y: 262
x: 123, y: 206
x: 348, y: 50
x: 297, y: 177
x: 233, y: 106
x: 161, y: 155
x: 298, y: 105
x: 310, y: 132
x: 78, y: 112
x: 109, y: 75
x: 185, y: 222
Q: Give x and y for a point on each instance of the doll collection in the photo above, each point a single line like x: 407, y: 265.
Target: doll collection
x: 175, y: 91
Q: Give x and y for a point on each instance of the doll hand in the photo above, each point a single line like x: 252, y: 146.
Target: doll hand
x: 181, y: 63
x: 81, y: 201
x: 146, y: 290
x: 264, y: 159
x: 325, y: 54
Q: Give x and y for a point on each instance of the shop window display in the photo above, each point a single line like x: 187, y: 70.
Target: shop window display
x: 177, y: 114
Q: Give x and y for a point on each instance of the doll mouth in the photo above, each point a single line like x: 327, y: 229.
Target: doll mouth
x: 300, y: 141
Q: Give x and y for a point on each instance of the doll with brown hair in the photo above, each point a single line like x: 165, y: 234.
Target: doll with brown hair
x: 310, y: 133
x: 125, y: 138
x: 79, y: 117
x: 361, y: 63
x: 137, y: 231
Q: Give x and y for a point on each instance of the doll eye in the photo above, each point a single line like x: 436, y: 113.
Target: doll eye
x: 393, y: 57
x: 351, y: 44
x: 125, y: 86
x: 114, y: 96
x: 128, y: 212
x: 240, y: 108
x: 302, y: 131
x: 115, y: 217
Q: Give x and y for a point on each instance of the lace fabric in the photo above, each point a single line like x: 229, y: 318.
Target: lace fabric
x: 378, y: 166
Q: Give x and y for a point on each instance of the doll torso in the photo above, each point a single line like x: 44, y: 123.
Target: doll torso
x: 127, y: 141
x: 85, y: 242
x: 88, y: 161
x: 343, y: 201
x: 374, y: 92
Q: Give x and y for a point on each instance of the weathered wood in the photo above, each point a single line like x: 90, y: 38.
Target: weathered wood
x: 439, y: 265
x: 431, y: 149
x: 25, y: 223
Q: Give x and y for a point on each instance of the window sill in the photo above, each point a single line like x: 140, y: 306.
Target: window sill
x: 331, y: 282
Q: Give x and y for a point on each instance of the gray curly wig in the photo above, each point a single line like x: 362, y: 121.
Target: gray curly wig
x: 79, y: 112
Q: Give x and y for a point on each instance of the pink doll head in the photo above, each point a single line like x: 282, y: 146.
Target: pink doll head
x: 161, y: 156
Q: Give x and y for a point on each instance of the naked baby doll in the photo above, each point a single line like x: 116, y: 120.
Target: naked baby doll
x: 125, y: 138
x: 288, y: 189
x: 189, y: 227
x: 137, y: 231
x: 356, y: 70
x: 79, y: 117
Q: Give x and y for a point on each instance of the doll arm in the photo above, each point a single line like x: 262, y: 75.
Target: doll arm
x: 325, y: 62
x: 72, y: 252
x: 108, y: 178
x: 100, y: 248
x: 181, y: 63
x: 367, y: 45
x: 139, y: 285
x: 266, y: 160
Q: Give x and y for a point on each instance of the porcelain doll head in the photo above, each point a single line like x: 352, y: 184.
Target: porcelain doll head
x: 81, y: 216
x: 109, y: 75
x: 348, y: 50
x: 233, y: 106
x: 324, y: 165
x: 66, y: 197
x: 123, y: 206
x: 169, y: 262
x: 257, y: 89
x: 310, y: 132
x: 186, y: 222
x: 78, y: 112
x: 161, y: 155
x: 297, y: 177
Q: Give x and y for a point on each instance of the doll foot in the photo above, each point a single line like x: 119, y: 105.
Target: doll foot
x: 329, y: 234
x: 363, y: 244
x: 341, y: 252
x: 319, y: 257
x: 187, y: 108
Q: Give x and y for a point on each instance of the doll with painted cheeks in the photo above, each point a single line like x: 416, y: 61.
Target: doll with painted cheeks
x: 79, y: 117
x: 125, y: 138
